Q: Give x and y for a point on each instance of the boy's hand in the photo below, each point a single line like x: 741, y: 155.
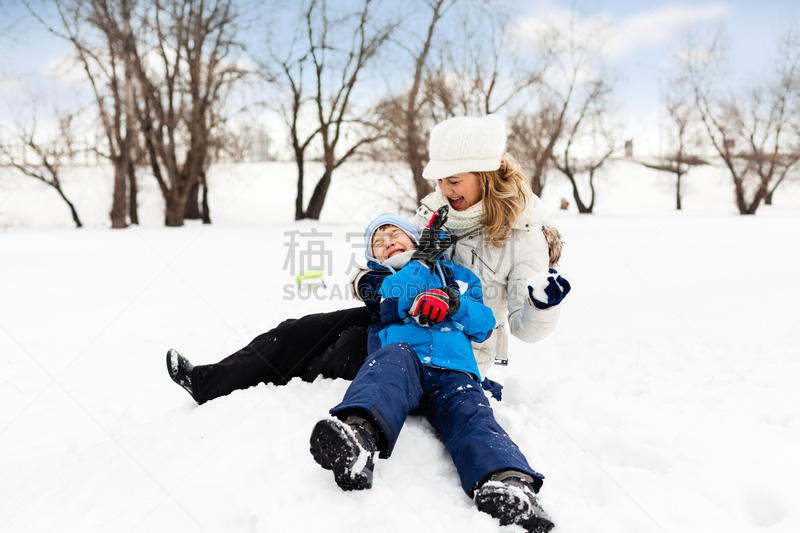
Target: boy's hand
x: 547, y: 289
x: 433, y: 306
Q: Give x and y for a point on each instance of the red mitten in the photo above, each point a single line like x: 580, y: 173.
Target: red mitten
x: 430, y: 307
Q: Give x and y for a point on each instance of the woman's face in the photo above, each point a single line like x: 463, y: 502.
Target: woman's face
x: 462, y: 190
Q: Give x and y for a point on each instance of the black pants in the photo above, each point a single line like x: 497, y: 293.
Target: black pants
x: 332, y: 345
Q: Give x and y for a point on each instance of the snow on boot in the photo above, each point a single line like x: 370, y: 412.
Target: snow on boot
x: 180, y: 370
x: 346, y: 448
x: 509, y: 497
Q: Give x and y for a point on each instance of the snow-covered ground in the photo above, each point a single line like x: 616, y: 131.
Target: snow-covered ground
x: 666, y: 400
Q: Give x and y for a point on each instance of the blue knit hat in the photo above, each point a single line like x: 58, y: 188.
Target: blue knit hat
x: 388, y: 218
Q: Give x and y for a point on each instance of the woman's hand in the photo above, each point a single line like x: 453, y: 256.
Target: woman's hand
x: 547, y: 289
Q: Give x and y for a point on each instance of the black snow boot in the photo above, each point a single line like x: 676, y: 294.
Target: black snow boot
x: 180, y: 370
x: 509, y: 496
x: 348, y: 448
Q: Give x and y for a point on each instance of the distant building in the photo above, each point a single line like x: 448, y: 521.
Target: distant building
x: 257, y: 146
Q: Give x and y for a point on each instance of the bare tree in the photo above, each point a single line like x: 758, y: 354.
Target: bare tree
x: 464, y: 65
x: 572, y: 85
x: 402, y: 116
x: 789, y: 75
x: 680, y: 156
x: 572, y: 128
x: 533, y: 136
x: 480, y: 69
x: 330, y: 54
x: 160, y: 69
x: 750, y: 132
x: 292, y: 71
x: 788, y: 165
x: 102, y: 50
x: 184, y: 83
x: 43, y: 160
x: 590, y: 129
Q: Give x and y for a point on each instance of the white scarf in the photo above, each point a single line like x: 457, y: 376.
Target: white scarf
x: 397, y: 261
x: 459, y: 222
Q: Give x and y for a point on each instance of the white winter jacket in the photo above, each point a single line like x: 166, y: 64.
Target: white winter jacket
x: 503, y: 273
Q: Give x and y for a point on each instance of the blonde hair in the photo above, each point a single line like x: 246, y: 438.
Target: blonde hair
x: 506, y: 193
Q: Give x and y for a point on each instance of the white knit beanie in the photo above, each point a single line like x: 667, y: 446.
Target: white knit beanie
x: 466, y: 144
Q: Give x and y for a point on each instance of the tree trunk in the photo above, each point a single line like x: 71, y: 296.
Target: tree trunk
x: 414, y: 156
x: 770, y: 192
x: 192, y: 203
x: 118, y: 206
x: 750, y: 208
x: 741, y: 205
x: 536, y: 182
x: 678, y: 192
x: 71, y: 208
x: 206, y: 212
x: 424, y: 187
x: 318, y: 197
x: 174, y: 213
x: 760, y: 194
x: 299, y: 212
x: 413, y: 141
x: 176, y: 204
x: 582, y: 208
x: 590, y: 207
x: 133, y: 203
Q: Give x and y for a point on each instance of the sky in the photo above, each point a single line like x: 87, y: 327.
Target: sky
x: 644, y: 40
x: 646, y: 36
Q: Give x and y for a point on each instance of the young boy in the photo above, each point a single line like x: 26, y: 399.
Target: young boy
x: 421, y: 361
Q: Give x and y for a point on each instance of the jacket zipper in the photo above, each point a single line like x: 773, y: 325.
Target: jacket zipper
x: 474, y: 255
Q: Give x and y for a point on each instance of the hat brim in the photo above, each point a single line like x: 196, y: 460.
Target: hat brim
x: 436, y: 170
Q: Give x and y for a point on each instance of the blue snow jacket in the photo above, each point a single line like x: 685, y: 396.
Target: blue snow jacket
x: 389, y: 295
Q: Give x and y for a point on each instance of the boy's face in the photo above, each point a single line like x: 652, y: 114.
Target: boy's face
x: 390, y: 241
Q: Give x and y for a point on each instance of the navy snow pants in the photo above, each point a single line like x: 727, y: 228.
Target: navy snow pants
x: 393, y: 383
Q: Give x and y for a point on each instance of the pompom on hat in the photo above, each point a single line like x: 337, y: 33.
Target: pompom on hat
x: 466, y: 144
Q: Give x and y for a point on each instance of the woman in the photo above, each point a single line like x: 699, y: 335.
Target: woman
x: 505, y: 237
x: 505, y: 234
